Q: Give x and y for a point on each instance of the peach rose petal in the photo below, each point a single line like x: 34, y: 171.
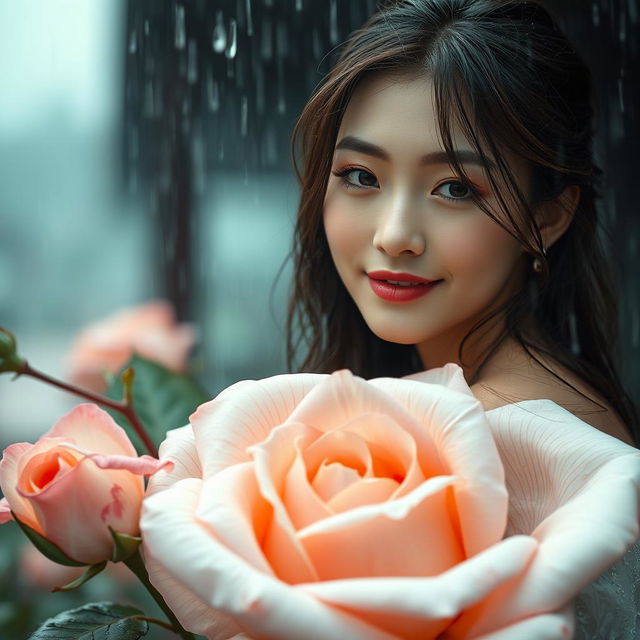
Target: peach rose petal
x: 585, y: 525
x: 110, y: 499
x: 232, y: 506
x: 192, y: 612
x: 89, y: 427
x: 304, y: 506
x: 272, y: 460
x: 350, y: 449
x: 249, y: 410
x: 179, y: 447
x: 458, y: 426
x: 332, y: 478
x: 261, y: 605
x: 364, y: 491
x: 342, y: 397
x: 5, y: 511
x: 9, y: 471
x: 450, y: 376
x: 387, y: 538
x: 422, y: 607
x: 394, y: 451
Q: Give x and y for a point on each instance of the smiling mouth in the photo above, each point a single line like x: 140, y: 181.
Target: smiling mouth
x: 401, y: 291
x: 398, y: 283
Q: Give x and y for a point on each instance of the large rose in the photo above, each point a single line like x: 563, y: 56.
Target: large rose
x: 106, y: 346
x: 320, y: 507
x: 80, y: 478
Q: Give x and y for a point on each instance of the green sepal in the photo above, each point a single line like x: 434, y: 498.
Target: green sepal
x: 92, y: 571
x: 124, y: 546
x: 46, y: 547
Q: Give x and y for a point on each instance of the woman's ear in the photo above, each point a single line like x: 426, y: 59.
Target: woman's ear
x: 555, y: 216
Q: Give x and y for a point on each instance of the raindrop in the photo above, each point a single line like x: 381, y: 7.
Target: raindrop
x: 271, y: 147
x: 221, y: 151
x: 198, y: 163
x: 219, y: 40
x: 249, y: 18
x: 333, y: 22
x: 265, y: 39
x: 232, y: 46
x: 134, y: 143
x: 298, y: 5
x: 633, y: 11
x: 621, y: 93
x: 133, y: 41
x: 575, y: 344
x: 244, y: 112
x: 192, y: 62
x: 316, y: 45
x: 259, y: 76
x: 148, y: 104
x: 595, y: 14
x: 146, y: 27
x: 282, y: 45
x: 268, y: 3
x: 180, y: 36
x: 213, y: 93
x: 282, y: 103
x: 622, y: 33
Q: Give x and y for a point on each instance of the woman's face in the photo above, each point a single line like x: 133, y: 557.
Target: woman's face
x: 395, y: 212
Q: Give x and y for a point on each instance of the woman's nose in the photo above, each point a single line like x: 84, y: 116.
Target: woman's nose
x: 399, y: 231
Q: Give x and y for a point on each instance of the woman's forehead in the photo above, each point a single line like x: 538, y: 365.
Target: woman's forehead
x: 399, y: 109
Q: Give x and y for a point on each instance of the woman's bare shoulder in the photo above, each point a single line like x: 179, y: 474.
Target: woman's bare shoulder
x: 523, y: 380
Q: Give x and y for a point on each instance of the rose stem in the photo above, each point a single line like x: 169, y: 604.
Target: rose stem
x: 125, y: 408
x: 135, y: 563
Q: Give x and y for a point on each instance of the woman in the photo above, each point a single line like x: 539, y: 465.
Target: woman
x: 448, y: 211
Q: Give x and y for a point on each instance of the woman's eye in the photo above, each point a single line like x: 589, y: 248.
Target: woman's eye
x: 454, y: 190
x: 357, y: 178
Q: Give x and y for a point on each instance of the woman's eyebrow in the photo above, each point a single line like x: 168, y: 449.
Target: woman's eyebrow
x: 463, y: 156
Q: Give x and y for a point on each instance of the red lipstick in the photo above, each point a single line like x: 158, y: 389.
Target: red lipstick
x: 391, y: 286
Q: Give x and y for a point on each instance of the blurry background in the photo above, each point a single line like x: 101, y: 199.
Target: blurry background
x: 144, y: 153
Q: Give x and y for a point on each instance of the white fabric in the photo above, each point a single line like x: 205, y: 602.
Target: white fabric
x: 609, y: 608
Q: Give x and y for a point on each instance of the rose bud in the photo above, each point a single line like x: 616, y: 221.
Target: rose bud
x: 82, y: 477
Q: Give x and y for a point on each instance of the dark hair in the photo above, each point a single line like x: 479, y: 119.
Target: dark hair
x: 507, y: 76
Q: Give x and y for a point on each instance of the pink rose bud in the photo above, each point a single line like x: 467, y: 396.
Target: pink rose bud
x: 107, y: 345
x: 82, y: 477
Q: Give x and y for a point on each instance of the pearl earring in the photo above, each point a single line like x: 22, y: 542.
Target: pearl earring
x: 537, y: 263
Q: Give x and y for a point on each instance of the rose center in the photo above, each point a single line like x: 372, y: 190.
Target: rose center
x: 45, y: 467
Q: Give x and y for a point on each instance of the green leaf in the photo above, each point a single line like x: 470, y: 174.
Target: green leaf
x: 46, y: 547
x: 162, y: 399
x: 91, y: 572
x: 94, y: 621
x: 123, y: 545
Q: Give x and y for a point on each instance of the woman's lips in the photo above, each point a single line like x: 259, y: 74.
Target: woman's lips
x: 399, y: 287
